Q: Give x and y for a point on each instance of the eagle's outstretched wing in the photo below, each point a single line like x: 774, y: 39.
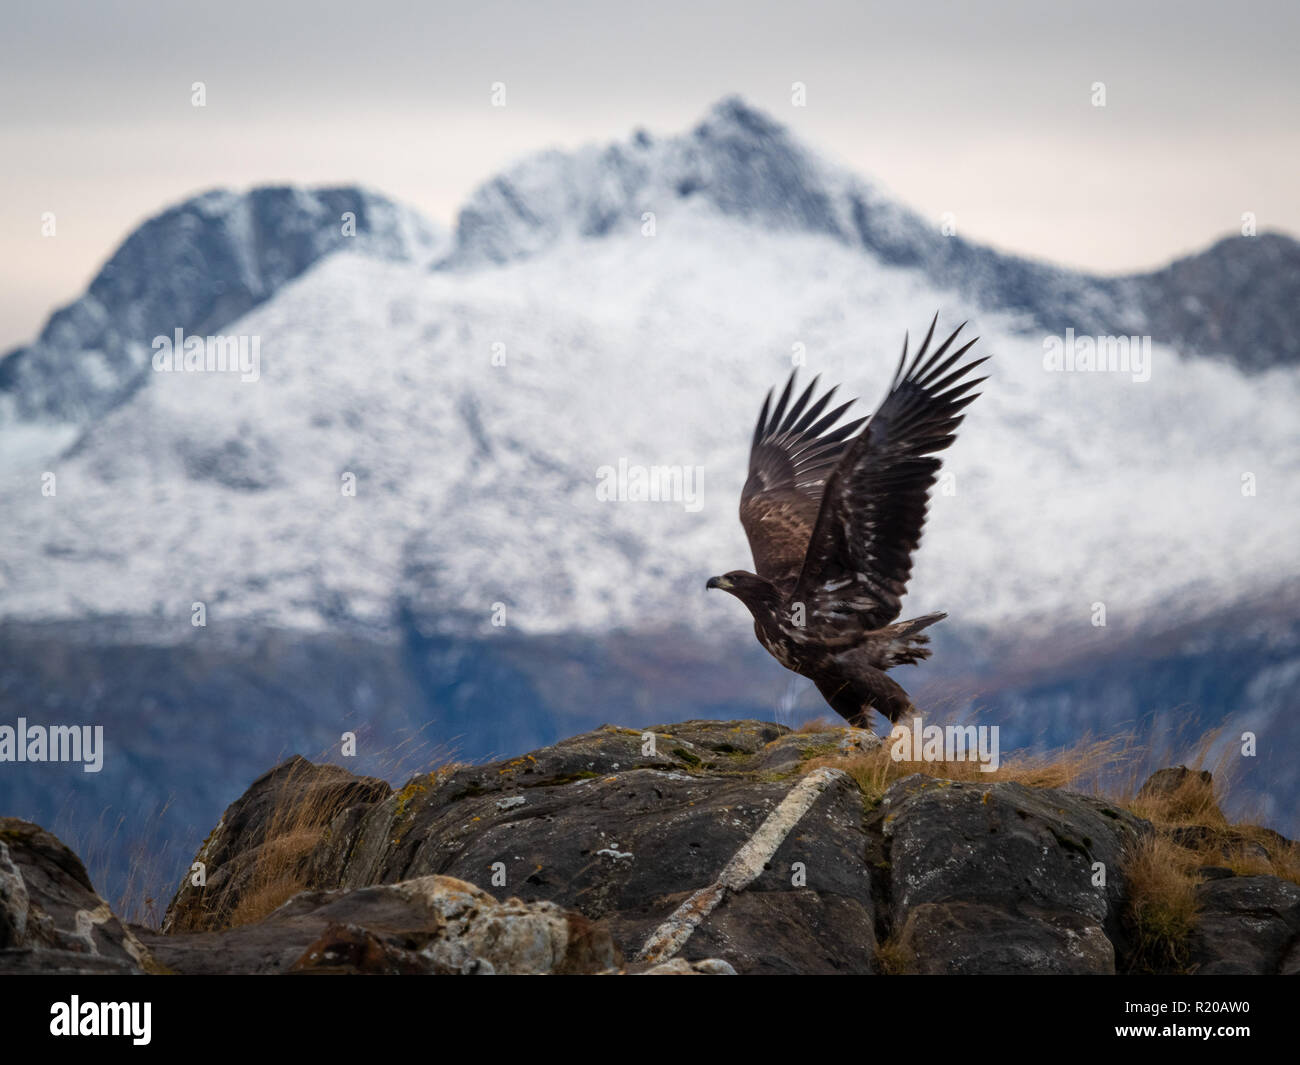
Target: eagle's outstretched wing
x: 873, y: 508
x: 793, y: 452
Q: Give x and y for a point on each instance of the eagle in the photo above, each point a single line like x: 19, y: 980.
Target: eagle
x: 833, y: 514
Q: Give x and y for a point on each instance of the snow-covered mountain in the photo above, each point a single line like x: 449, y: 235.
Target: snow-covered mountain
x: 475, y: 403
x: 197, y: 267
x: 477, y: 483
x: 1237, y: 299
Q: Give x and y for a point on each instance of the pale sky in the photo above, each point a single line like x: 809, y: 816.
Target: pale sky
x: 982, y: 109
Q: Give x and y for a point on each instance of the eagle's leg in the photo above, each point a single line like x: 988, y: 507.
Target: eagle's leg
x: 854, y: 696
x: 892, y: 701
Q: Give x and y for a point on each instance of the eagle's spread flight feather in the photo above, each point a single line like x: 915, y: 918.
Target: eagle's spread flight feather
x: 833, y: 519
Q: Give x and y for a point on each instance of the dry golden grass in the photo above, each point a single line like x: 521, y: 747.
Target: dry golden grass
x: 279, y: 873
x: 1072, y: 767
x: 1283, y: 858
x: 1161, y: 897
x: 278, y: 870
x: 1190, y: 817
x: 819, y: 724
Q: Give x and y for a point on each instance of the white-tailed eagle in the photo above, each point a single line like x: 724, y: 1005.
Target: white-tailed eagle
x: 833, y: 516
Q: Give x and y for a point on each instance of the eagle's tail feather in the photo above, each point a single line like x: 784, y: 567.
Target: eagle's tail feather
x: 908, y: 644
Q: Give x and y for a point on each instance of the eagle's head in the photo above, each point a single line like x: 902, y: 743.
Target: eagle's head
x: 749, y: 588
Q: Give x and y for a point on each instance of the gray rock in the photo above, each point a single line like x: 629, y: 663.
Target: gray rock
x: 1169, y: 781
x: 972, y: 938
x: 1000, y: 877
x: 714, y: 967
x: 434, y: 924
x: 1246, y: 925
x: 682, y: 967
x: 51, y: 919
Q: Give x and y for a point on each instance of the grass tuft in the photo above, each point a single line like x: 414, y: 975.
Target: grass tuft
x: 1161, y: 904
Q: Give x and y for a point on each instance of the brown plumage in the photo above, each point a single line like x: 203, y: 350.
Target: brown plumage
x: 833, y: 519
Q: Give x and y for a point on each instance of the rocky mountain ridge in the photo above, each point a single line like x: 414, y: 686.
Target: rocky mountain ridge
x: 1235, y: 299
x: 203, y: 263
x: 703, y: 847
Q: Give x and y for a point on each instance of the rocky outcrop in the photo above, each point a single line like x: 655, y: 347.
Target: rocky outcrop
x: 434, y: 924
x: 1002, y: 877
x: 51, y: 920
x: 1247, y: 924
x: 704, y: 848
x: 624, y: 827
x: 295, y: 799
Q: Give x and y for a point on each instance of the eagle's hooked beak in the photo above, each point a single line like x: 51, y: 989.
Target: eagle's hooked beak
x: 718, y: 582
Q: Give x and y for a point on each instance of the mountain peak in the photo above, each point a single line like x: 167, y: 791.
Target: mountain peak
x: 737, y: 159
x: 733, y: 114
x: 196, y: 266
x: 741, y: 163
